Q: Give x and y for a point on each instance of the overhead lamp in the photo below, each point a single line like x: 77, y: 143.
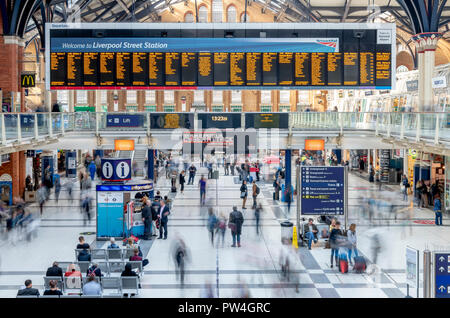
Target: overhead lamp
x: 229, y: 34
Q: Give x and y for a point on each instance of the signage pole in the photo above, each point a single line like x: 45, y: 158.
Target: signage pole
x: 427, y: 274
x: 345, y: 198
x: 298, y: 184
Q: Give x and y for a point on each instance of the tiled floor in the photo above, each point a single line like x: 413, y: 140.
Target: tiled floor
x: 255, y: 265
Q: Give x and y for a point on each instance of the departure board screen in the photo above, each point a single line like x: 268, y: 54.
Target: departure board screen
x: 237, y: 69
x: 221, y: 69
x: 366, y: 68
x: 351, y: 70
x: 286, y: 69
x: 90, y: 69
x: 107, y: 69
x: 269, y: 66
x: 318, y: 69
x: 74, y: 69
x: 383, y: 69
x: 139, y: 70
x: 123, y: 69
x: 302, y: 69
x: 172, y: 69
x: 253, y: 69
x: 188, y: 69
x: 334, y: 69
x: 156, y: 69
x: 205, y: 69
x: 58, y: 64
x: 134, y: 56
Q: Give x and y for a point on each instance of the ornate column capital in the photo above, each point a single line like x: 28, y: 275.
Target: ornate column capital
x: 426, y: 41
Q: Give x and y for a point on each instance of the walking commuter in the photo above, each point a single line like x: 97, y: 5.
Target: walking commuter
x: 92, y: 170
x: 334, y: 242
x: 288, y: 197
x: 258, y: 211
x: 258, y: 169
x: 57, y: 189
x: 163, y: 219
x: 192, y: 171
x: 351, y: 238
x: 212, y: 224
x: 438, y: 209
x: 235, y: 222
x: 202, y: 186
x: 42, y: 197
x: 180, y: 257
x: 244, y: 193
x: 182, y: 181
x: 255, y: 192
x: 233, y: 165
x: 405, y: 187
x: 310, y: 230
x: 221, y: 228
x: 98, y: 166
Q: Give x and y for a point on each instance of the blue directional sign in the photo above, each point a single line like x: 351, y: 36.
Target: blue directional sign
x: 442, y: 275
x: 322, y: 190
x: 124, y: 120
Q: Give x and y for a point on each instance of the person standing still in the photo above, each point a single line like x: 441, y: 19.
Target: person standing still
x: 244, y: 193
x: 182, y: 181
x: 147, y: 218
x: 235, y: 222
x: 255, y: 192
x: 163, y: 219
x: 192, y: 170
x: 437, y: 210
x: 202, y: 186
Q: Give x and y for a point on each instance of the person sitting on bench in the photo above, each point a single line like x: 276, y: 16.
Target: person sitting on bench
x: 310, y: 230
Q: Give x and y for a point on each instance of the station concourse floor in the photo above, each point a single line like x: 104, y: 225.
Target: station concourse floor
x: 255, y: 264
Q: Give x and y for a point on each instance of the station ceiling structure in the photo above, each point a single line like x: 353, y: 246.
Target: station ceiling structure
x: 26, y: 18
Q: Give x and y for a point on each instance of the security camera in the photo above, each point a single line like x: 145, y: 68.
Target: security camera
x: 358, y: 34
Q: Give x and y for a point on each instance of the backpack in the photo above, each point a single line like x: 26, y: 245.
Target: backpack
x: 91, y: 272
x: 257, y: 190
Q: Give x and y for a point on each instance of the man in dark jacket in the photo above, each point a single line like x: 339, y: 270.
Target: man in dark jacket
x: 310, y: 230
x: 192, y: 171
x: 147, y: 218
x: 54, y: 271
x: 163, y: 219
x: 235, y: 224
x: 29, y: 290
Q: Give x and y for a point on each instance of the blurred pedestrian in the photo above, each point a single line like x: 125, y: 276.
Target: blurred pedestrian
x: 351, y: 237
x: 438, y: 209
x: 221, y: 229
x: 212, y: 224
x: 92, y: 169
x: 202, y: 186
x: 57, y: 188
x: 42, y: 197
x: 255, y: 192
x: 258, y: 211
x: 334, y: 242
x: 236, y: 220
x: 405, y: 187
x: 182, y: 181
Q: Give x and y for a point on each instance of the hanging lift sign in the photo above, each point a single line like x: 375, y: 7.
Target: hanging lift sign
x: 116, y: 170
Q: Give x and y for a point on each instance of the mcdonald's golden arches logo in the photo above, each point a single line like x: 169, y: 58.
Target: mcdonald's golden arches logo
x: 28, y: 80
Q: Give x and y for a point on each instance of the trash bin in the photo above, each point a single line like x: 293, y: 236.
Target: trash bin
x: 286, y: 232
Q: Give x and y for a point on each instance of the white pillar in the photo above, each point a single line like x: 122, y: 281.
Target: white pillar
x: 426, y: 44
x: 71, y: 100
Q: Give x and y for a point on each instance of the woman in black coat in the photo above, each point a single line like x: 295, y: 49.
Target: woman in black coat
x: 244, y: 193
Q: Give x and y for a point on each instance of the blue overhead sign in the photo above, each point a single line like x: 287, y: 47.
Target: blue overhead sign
x: 123, y: 120
x: 442, y: 275
x: 322, y: 190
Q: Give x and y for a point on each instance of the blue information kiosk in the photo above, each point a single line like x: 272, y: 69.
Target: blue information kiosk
x: 118, y: 203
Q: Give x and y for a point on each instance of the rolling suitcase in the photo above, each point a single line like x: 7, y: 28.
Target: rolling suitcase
x: 173, y: 189
x: 343, y: 263
x: 360, y: 264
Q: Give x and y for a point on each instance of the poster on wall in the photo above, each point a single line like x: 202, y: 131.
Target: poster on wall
x: 447, y: 184
x: 385, y: 156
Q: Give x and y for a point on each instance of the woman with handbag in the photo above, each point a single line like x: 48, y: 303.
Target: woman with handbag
x: 244, y: 193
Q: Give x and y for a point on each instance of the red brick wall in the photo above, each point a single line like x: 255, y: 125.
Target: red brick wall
x: 16, y: 169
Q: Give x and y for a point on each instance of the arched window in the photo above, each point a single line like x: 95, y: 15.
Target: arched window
x: 203, y: 14
x: 217, y: 10
x: 243, y: 15
x: 189, y: 17
x: 231, y: 14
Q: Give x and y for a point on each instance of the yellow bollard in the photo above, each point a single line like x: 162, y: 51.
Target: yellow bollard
x: 294, y: 237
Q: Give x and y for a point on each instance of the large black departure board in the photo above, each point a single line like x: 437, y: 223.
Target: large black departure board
x: 156, y: 69
x: 205, y: 69
x: 172, y: 69
x: 123, y: 69
x: 136, y: 57
x: 188, y: 69
x: 237, y: 69
x: 269, y: 68
x: 221, y: 69
x: 90, y: 69
x: 139, y: 69
x: 58, y: 65
x: 74, y: 69
x: 107, y: 69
